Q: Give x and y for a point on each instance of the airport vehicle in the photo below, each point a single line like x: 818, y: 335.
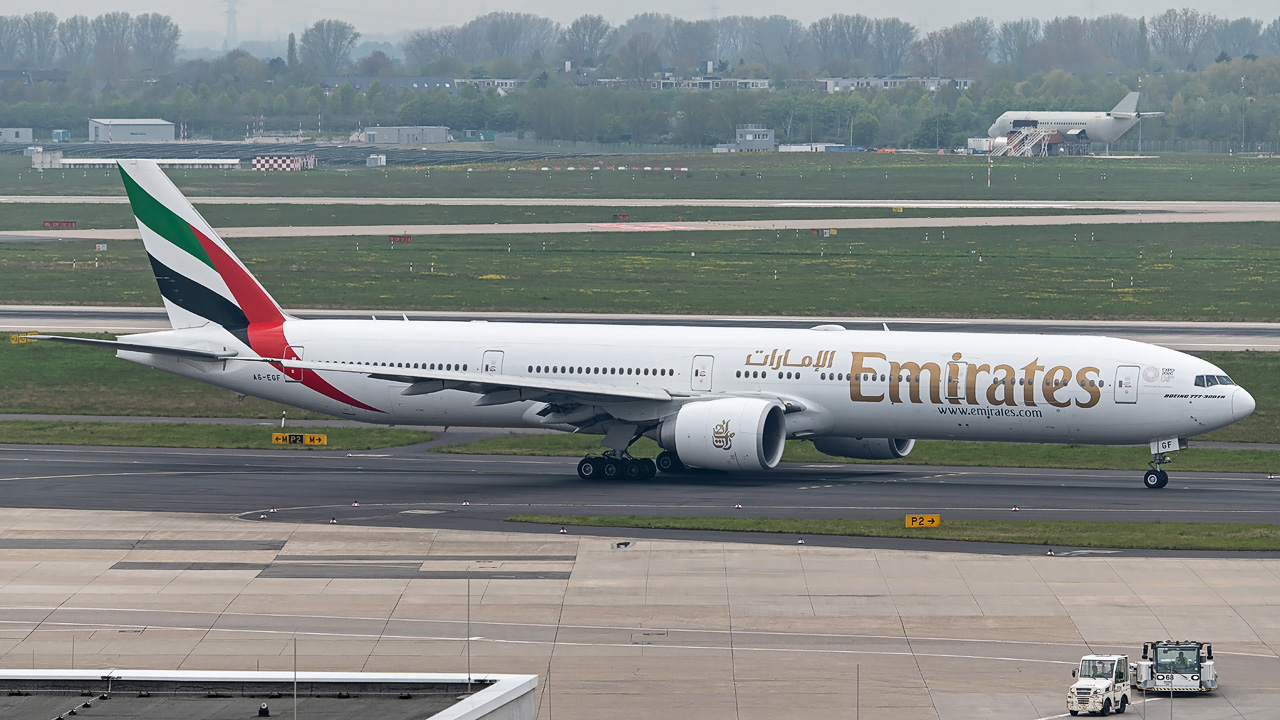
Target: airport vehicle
x: 1104, y: 127
x: 1176, y: 665
x: 714, y: 398
x: 1101, y: 686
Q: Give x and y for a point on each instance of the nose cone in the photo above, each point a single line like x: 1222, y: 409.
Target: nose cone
x: 993, y: 131
x: 1242, y: 404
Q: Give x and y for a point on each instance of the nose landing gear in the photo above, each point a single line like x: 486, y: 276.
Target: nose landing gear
x: 1155, y: 478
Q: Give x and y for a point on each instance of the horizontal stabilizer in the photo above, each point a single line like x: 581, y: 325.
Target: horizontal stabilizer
x: 135, y: 347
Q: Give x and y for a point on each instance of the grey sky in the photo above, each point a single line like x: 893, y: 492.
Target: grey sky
x: 204, y: 23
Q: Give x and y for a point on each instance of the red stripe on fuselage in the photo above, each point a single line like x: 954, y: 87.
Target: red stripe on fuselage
x: 266, y: 322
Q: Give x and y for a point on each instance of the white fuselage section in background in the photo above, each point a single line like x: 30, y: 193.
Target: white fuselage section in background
x: 959, y: 386
x: 1094, y: 126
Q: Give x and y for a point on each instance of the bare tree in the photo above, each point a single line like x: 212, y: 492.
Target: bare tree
x: 1271, y: 36
x: 731, y: 39
x: 855, y: 35
x: 328, y: 44
x: 967, y: 46
x: 1015, y: 38
x: 1238, y: 37
x: 1179, y: 35
x: 655, y: 24
x: 775, y: 39
x: 503, y: 33
x: 1067, y: 45
x: 10, y: 38
x: 1117, y: 36
x: 827, y: 37
x: 112, y: 43
x: 928, y: 52
x: 539, y: 37
x: 891, y: 40
x: 588, y: 39
x: 425, y: 46
x: 39, y: 39
x: 75, y: 39
x: 155, y: 38
x: 690, y: 43
x: 638, y: 57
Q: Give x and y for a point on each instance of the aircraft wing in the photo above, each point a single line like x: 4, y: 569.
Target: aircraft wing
x: 494, y: 389
x: 188, y: 353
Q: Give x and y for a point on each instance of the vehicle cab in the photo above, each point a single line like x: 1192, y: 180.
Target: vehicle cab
x: 1176, y: 666
x: 1101, y: 686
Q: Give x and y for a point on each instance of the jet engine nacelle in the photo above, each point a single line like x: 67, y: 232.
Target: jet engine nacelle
x: 729, y: 434
x: 865, y: 448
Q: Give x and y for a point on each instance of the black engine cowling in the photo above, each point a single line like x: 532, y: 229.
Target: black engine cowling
x: 865, y: 448
x: 729, y: 434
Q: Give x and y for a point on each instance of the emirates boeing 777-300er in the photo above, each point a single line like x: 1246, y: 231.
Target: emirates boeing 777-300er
x: 715, y: 398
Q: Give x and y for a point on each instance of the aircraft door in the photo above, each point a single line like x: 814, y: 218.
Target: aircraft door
x: 492, y: 362
x: 1127, y: 384
x: 700, y: 377
x: 293, y: 352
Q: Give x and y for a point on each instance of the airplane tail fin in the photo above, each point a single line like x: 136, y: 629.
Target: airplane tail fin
x: 200, y: 279
x: 1127, y: 106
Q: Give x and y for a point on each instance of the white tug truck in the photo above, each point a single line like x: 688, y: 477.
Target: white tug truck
x: 1176, y: 666
x: 1101, y: 686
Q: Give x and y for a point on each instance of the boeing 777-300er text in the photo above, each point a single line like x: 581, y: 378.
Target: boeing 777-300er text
x: 1103, y: 127
x: 718, y: 398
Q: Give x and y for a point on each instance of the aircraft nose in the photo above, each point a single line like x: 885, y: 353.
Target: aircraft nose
x: 991, y: 131
x: 1242, y: 404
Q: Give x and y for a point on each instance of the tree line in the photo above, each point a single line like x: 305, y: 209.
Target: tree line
x: 1187, y: 64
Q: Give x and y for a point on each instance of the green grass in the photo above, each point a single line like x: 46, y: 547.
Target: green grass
x: 1135, y: 535
x: 112, y: 216
x: 60, y: 379
x: 1178, y: 271
x: 197, y: 435
x: 931, y: 452
x: 801, y: 175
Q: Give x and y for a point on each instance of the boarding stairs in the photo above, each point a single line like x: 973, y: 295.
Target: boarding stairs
x: 1026, y: 142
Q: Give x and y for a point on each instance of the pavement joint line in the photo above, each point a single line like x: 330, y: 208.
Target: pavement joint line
x: 73, y: 627
x: 614, y: 628
x: 1131, y: 704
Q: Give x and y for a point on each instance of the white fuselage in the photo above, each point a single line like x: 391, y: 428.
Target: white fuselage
x: 928, y: 385
x: 1097, y: 126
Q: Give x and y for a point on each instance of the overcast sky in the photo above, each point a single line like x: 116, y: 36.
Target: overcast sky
x: 204, y: 23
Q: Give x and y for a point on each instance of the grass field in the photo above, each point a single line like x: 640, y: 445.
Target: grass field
x: 60, y: 379
x: 110, y: 216
x: 1136, y: 535
x: 1174, y: 271
x: 197, y: 435
x: 932, y: 452
x: 800, y: 175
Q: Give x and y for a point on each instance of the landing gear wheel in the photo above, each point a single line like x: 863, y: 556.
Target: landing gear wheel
x: 669, y: 462
x: 1151, y: 479
x: 650, y: 469
x: 632, y: 469
x: 1164, y: 478
x: 1106, y: 707
x: 588, y: 469
x: 609, y: 468
x: 1124, y: 705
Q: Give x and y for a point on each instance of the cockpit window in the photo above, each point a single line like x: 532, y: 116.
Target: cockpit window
x: 1211, y: 380
x: 1224, y: 380
x: 1199, y: 381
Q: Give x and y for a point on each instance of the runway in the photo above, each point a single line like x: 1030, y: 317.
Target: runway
x: 1185, y: 336
x: 415, y: 488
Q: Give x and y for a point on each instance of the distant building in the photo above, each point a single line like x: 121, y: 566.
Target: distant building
x: 52, y: 160
x: 750, y: 138
x: 500, y: 84
x: 16, y: 135
x: 288, y: 162
x: 406, y: 135
x: 392, y: 84
x: 31, y: 77
x: 835, y: 85
x: 131, y: 130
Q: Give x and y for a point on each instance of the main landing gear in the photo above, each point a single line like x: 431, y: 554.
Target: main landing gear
x: 608, y: 466
x: 1155, y: 478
